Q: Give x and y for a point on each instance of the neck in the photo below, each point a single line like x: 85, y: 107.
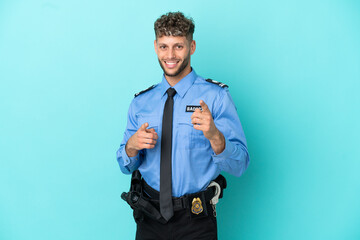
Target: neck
x: 174, y: 80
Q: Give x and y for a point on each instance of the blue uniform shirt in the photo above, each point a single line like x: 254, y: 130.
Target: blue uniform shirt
x: 194, y: 164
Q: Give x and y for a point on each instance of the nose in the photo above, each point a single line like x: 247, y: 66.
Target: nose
x: 171, y: 54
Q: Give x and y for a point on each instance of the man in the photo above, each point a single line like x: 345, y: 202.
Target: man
x: 180, y: 134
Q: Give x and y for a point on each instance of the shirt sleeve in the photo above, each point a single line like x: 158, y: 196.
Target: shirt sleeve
x: 128, y: 164
x: 235, y: 157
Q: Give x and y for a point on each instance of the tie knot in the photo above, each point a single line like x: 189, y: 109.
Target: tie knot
x: 170, y: 92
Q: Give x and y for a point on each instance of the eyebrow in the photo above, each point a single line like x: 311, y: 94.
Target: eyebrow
x: 178, y: 43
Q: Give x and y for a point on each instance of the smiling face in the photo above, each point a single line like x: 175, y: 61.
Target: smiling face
x: 174, y: 56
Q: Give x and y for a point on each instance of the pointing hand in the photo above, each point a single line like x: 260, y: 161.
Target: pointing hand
x: 143, y: 138
x: 203, y: 121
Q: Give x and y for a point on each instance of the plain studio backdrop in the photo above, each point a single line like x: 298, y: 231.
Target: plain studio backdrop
x: 69, y: 70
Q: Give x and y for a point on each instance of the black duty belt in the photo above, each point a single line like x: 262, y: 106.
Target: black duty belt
x: 179, y: 203
x: 145, y: 200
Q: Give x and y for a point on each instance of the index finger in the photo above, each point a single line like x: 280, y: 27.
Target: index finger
x: 144, y: 126
x: 204, y: 106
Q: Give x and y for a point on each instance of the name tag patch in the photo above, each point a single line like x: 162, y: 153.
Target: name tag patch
x: 191, y: 108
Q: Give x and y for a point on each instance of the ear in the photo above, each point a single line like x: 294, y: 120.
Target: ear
x: 155, y: 46
x: 192, y: 47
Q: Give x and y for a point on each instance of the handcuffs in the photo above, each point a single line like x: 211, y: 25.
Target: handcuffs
x: 215, y: 199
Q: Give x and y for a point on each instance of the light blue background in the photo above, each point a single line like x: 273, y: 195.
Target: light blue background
x: 69, y: 69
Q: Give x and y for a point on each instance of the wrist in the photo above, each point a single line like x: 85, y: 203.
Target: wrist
x: 131, y: 152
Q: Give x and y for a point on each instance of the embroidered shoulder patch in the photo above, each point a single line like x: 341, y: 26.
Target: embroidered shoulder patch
x: 223, y: 85
x: 143, y: 91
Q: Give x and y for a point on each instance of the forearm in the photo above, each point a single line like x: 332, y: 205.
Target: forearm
x: 234, y: 159
x: 218, y: 143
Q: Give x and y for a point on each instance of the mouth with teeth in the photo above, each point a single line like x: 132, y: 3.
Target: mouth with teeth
x: 172, y: 67
x: 171, y: 63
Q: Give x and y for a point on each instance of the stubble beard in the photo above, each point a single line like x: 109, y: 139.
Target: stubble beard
x: 181, y: 68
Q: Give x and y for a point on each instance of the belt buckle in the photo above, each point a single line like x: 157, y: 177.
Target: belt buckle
x: 178, y: 204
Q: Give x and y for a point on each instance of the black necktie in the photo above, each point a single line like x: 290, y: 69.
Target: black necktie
x: 166, y: 206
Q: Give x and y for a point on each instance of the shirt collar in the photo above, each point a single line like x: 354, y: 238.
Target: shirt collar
x: 182, y: 86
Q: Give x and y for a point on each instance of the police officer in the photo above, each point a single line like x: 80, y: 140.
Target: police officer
x: 180, y: 134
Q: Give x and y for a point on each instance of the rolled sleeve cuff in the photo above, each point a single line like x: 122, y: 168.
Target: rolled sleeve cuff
x: 228, y: 151
x: 128, y: 162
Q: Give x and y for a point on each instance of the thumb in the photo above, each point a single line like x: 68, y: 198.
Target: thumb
x: 204, y: 107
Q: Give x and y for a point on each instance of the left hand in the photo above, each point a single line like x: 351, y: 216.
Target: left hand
x: 204, y: 121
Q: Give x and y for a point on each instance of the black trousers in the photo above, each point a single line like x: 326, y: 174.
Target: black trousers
x: 179, y: 227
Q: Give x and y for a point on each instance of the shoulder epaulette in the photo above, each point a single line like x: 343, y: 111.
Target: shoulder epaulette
x: 223, y: 85
x: 143, y: 91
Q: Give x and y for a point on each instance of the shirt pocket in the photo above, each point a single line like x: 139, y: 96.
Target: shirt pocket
x: 188, y: 137
x: 153, y: 121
